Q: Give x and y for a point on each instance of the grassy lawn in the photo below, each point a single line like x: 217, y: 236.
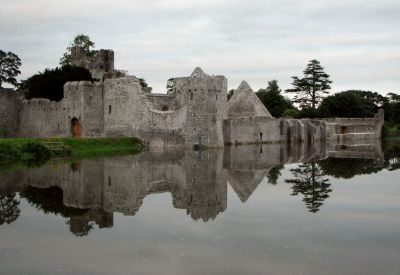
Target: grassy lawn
x: 31, y: 149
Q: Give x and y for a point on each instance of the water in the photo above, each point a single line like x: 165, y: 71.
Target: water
x: 275, y: 209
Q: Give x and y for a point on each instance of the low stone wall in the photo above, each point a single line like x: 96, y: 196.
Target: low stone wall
x: 250, y: 130
x: 41, y: 118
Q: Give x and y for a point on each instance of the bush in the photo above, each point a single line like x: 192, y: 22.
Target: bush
x: 33, y: 151
x: 292, y: 113
x: 309, y: 112
x: 8, y: 153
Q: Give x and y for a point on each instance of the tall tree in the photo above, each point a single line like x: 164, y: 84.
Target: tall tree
x: 273, y: 100
x: 309, y: 180
x: 310, y: 89
x: 9, y: 67
x: 80, y: 40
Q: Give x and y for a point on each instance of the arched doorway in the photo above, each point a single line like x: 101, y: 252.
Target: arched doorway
x: 75, y: 127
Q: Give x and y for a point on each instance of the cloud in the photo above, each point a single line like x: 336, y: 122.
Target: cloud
x: 357, y: 42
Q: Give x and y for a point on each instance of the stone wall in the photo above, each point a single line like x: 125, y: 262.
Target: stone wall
x: 248, y: 130
x: 9, y: 112
x: 41, y: 118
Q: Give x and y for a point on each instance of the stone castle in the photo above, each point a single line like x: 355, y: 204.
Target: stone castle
x: 195, y: 112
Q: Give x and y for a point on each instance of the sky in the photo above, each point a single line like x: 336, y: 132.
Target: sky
x: 357, y: 42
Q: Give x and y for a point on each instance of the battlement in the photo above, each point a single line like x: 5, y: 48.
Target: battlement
x: 99, y: 63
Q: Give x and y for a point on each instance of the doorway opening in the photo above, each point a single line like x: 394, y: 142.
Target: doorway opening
x: 75, y: 127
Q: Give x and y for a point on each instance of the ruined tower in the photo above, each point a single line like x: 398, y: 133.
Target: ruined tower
x: 205, y: 99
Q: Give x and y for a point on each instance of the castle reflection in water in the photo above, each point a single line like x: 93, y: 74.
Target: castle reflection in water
x: 88, y: 192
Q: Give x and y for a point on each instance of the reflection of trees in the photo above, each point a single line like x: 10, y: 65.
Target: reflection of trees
x: 274, y: 174
x: 50, y: 201
x: 392, y: 156
x: 80, y: 227
x: 348, y: 168
x: 9, y: 210
x: 309, y: 180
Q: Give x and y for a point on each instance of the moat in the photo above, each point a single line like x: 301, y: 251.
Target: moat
x: 270, y: 209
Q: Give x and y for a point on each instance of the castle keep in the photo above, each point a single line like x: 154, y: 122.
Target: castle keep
x: 195, y: 113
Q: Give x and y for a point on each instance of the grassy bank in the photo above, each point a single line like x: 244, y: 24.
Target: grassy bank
x: 40, y: 149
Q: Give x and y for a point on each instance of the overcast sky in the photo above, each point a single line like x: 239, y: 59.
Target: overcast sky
x: 358, y: 42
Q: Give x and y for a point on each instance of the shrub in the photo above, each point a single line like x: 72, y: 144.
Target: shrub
x: 8, y: 153
x: 33, y: 151
x: 293, y: 113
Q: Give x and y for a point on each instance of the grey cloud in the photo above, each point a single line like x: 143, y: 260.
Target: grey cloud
x: 357, y: 41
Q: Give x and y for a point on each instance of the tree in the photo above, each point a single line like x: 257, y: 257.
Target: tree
x: 310, y: 89
x: 9, y: 210
x: 230, y: 93
x: 350, y: 103
x: 82, y: 41
x: 9, y: 67
x: 50, y: 83
x: 144, y: 85
x: 309, y: 180
x: 170, y: 85
x: 273, y: 100
x: 274, y: 174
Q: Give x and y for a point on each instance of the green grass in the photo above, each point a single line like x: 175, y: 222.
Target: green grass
x: 14, y: 149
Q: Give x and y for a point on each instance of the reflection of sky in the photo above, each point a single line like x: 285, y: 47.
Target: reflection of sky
x: 355, y: 232
x: 357, y: 41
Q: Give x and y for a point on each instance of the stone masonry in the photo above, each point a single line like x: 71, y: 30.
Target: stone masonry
x: 196, y: 112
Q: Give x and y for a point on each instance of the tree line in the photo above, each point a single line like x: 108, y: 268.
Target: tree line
x: 312, y: 100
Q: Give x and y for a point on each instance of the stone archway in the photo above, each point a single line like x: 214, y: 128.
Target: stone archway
x: 75, y: 127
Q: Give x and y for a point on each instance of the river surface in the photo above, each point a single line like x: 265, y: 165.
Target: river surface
x: 271, y: 209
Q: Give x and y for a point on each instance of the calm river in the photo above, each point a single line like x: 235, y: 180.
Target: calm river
x: 274, y: 209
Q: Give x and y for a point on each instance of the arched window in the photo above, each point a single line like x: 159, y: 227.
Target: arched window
x: 164, y: 108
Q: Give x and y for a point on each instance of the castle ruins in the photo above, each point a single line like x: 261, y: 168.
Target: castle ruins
x: 195, y: 113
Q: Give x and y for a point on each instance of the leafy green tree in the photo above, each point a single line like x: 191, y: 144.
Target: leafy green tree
x: 82, y: 41
x: 230, y: 93
x: 393, y: 97
x: 170, y: 85
x: 121, y: 73
x: 291, y: 113
x: 350, y: 103
x: 49, y: 84
x: 310, y: 181
x: 144, y: 85
x: 310, y: 89
x: 273, y: 100
x: 308, y: 112
x: 9, y: 67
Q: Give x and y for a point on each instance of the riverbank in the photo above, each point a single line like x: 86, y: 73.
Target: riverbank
x: 14, y: 150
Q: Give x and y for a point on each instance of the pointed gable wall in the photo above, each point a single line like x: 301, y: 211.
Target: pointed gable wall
x: 245, y: 103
